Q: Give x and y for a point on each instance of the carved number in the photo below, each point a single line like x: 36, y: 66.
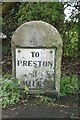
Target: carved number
x: 34, y: 73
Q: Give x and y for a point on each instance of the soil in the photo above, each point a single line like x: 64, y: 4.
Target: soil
x: 70, y: 66
x: 65, y: 107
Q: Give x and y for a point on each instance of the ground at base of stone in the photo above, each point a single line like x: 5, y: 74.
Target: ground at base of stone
x: 65, y: 107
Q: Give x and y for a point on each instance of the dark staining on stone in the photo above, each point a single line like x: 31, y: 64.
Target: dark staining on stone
x: 31, y: 41
x: 33, y: 38
x: 41, y: 74
x: 33, y: 83
x: 19, y: 51
x: 31, y: 25
x: 29, y: 83
x: 25, y: 75
x: 51, y: 51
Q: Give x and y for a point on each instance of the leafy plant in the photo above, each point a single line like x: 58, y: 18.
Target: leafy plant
x: 45, y: 99
x: 9, y: 92
x: 26, y: 90
x: 69, y: 84
x: 71, y: 43
x: 47, y: 12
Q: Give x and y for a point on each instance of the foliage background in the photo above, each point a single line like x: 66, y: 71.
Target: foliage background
x: 51, y: 12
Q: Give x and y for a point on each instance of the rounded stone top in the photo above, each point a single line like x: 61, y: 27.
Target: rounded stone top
x: 36, y: 34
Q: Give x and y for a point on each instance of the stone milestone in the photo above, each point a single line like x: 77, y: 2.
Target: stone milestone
x: 36, y: 56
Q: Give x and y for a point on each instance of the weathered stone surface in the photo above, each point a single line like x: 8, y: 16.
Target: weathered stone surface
x: 36, y: 34
x: 39, y: 35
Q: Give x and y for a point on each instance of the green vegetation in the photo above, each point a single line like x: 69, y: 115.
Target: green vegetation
x: 9, y: 92
x: 44, y: 99
x: 48, y: 12
x: 69, y: 84
x: 70, y: 40
x: 24, y: 12
x: 52, y: 13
